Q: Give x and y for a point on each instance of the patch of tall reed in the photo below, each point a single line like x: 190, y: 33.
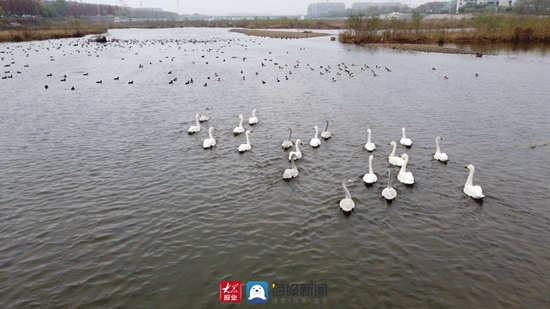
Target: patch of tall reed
x: 485, y: 28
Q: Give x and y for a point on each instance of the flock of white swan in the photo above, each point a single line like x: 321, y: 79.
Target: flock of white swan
x: 347, y: 204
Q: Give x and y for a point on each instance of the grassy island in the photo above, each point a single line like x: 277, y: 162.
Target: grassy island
x: 485, y: 28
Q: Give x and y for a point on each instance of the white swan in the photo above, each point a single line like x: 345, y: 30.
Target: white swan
x: 291, y: 172
x: 469, y: 188
x: 326, y: 134
x: 245, y: 147
x: 298, y: 153
x: 204, y: 117
x: 404, y: 176
x: 389, y: 193
x: 239, y: 129
x: 253, y: 120
x: 397, y: 161
x: 209, y: 142
x: 347, y: 204
x: 288, y: 143
x: 315, y: 142
x: 438, y: 154
x: 404, y: 140
x: 370, y: 177
x: 369, y: 146
x: 197, y: 128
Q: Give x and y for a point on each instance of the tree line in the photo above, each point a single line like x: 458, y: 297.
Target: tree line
x: 63, y: 8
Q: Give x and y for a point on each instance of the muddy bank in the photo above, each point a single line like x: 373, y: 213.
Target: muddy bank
x: 429, y: 48
x: 279, y: 34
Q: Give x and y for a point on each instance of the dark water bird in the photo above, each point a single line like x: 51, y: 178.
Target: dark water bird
x: 445, y: 77
x: 171, y: 82
x: 263, y: 81
x: 205, y: 84
x: 72, y: 88
x: 49, y: 74
x: 131, y: 83
x: 477, y: 75
x: 46, y: 87
x: 99, y: 82
x: 433, y: 69
x: 64, y: 80
x: 85, y: 74
x: 116, y: 78
x: 170, y: 72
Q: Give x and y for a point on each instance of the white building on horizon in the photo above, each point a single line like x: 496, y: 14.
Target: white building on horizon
x: 505, y: 3
x: 324, y: 8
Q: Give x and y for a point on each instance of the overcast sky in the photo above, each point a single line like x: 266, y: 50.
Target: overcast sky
x: 220, y: 7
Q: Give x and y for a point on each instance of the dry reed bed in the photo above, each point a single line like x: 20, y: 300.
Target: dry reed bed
x: 33, y: 35
x: 482, y: 29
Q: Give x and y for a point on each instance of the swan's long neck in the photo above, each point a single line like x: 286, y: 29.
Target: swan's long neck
x: 316, y: 132
x: 210, y: 133
x: 292, y: 165
x: 247, y: 139
x: 470, y: 180
x: 393, y: 151
x: 404, y: 166
x: 348, y: 196
x: 404, y: 136
x: 297, y: 143
x: 290, y: 133
x: 368, y: 139
x: 254, y: 113
x: 326, y: 128
x: 437, y: 146
x: 370, y: 165
x: 206, y: 112
x: 241, y: 122
x: 197, y: 119
x: 389, y: 178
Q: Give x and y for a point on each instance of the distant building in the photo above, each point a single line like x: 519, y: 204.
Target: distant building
x: 462, y: 3
x: 324, y: 8
x: 366, y: 5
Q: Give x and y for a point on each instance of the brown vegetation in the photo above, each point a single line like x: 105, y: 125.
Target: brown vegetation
x: 490, y: 28
x: 46, y: 30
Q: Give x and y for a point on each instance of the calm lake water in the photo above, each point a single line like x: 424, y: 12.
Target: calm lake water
x: 107, y: 202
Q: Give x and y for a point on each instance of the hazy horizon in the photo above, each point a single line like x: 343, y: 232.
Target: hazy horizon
x: 221, y: 7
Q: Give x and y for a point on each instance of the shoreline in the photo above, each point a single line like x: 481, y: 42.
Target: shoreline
x: 427, y: 48
x: 29, y: 35
x: 277, y: 34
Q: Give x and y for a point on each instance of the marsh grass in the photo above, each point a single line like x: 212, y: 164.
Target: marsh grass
x: 485, y: 28
x: 69, y: 29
